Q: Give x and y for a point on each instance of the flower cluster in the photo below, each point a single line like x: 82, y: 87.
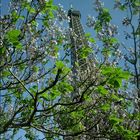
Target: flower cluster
x: 98, y: 5
x: 126, y: 21
x: 61, y: 13
x: 90, y: 21
x: 109, y: 31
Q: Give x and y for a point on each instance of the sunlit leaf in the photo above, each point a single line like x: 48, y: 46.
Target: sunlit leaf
x: 102, y: 90
x: 35, y: 68
x: 12, y: 35
x: 114, y: 120
x: 59, y: 64
x: 106, y: 107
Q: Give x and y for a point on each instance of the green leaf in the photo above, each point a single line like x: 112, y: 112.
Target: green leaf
x: 114, y: 120
x: 65, y: 87
x: 51, y: 95
x: 66, y: 70
x: 5, y: 73
x: 106, y: 52
x: 120, y: 128
x: 87, y: 35
x: 30, y: 9
x: 122, y: 7
x: 85, y: 51
x: 125, y: 75
x: 107, y: 70
x: 14, y: 16
x: 91, y: 40
x: 54, y: 7
x: 45, y: 23
x: 115, y: 97
x: 34, y: 23
x: 22, y: 17
x: 51, y: 15
x: 104, y: 16
x: 77, y: 114
x: 35, y: 68
x: 13, y: 35
x: 113, y: 40
x: 105, y: 10
x: 2, y: 50
x: 54, y: 94
x: 18, y: 45
x: 102, y: 90
x: 137, y: 30
x: 137, y: 3
x: 22, y: 66
x: 59, y: 64
x: 116, y: 82
x: 35, y: 87
x: 50, y: 2
x: 98, y: 26
x: 106, y: 107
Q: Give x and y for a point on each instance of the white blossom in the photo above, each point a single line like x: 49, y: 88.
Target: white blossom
x: 98, y: 5
x: 90, y: 21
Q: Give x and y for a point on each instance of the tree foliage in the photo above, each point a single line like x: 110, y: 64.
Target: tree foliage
x: 37, y: 80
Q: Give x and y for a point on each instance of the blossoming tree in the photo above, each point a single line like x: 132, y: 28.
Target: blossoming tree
x: 36, y: 78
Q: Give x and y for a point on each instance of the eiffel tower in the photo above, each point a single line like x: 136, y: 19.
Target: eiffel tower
x: 78, y: 40
x: 81, y: 67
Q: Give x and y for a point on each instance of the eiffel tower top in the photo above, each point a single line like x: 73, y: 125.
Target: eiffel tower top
x: 73, y: 12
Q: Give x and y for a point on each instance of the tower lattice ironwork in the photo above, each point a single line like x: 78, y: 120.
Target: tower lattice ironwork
x: 77, y: 38
x: 78, y: 41
x: 83, y: 69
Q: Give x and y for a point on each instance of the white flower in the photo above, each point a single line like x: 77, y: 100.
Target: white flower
x: 126, y: 21
x: 100, y: 35
x: 90, y: 21
x: 29, y: 1
x: 117, y: 4
x: 98, y: 5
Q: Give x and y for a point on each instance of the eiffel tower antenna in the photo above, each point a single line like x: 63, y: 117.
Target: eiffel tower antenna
x: 71, y: 6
